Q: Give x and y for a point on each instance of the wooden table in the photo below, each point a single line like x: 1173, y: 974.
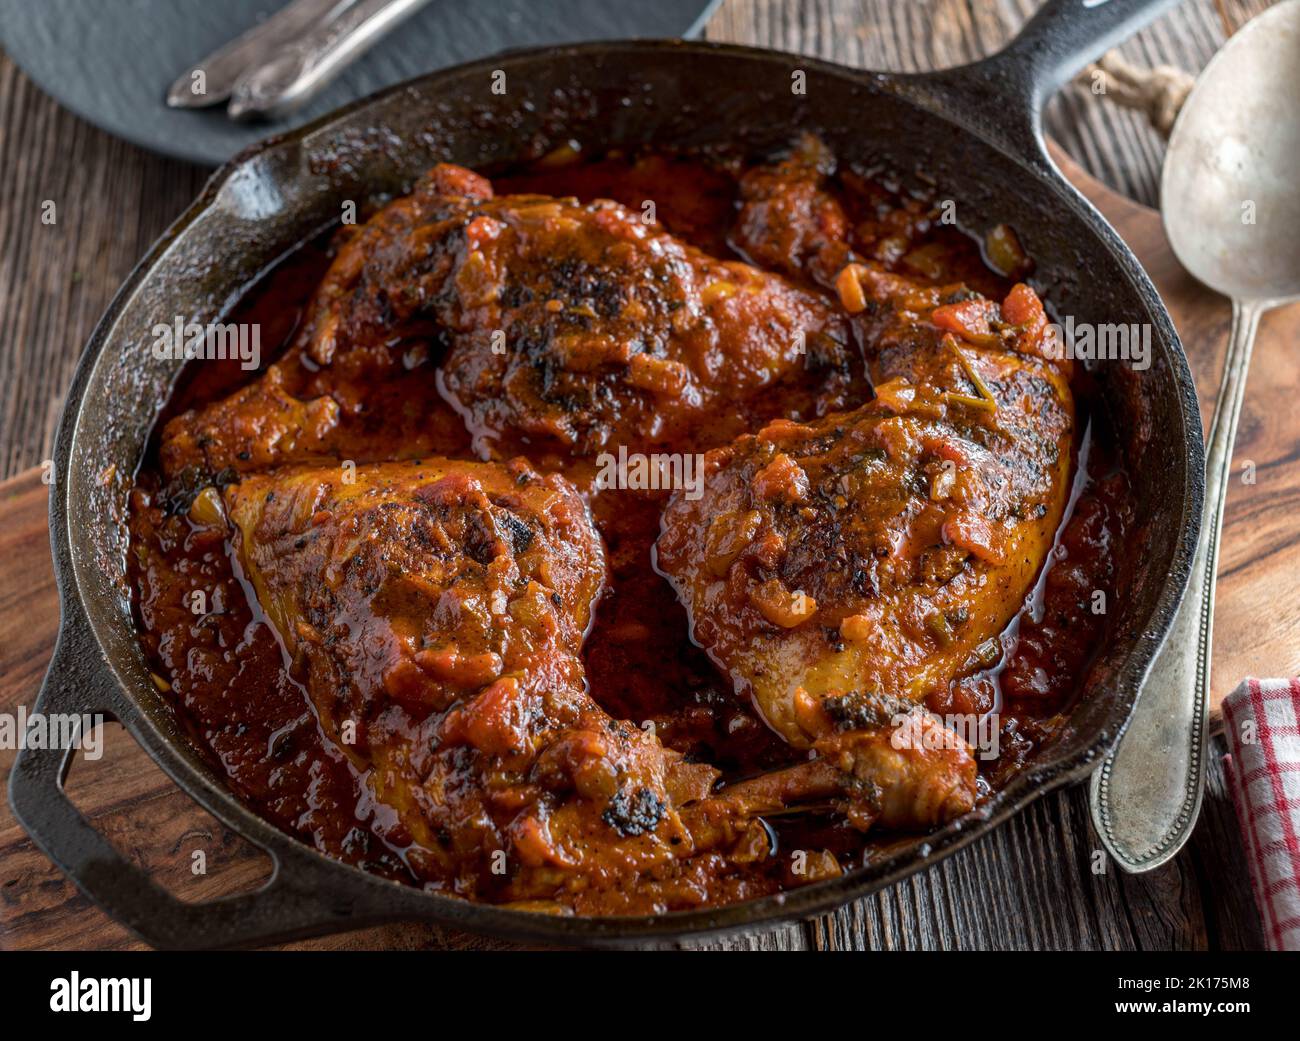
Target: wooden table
x: 1028, y: 885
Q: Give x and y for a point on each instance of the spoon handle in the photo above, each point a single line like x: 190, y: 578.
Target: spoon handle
x: 1147, y: 793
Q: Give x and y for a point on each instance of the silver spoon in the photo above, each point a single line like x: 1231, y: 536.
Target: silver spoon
x: 1231, y: 210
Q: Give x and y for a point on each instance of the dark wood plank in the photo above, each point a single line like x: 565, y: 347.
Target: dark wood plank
x: 111, y: 200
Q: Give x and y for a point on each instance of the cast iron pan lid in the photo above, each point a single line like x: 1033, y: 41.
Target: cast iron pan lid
x: 112, y: 62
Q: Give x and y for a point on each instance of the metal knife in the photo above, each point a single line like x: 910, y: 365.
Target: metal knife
x: 290, y: 78
x: 211, y: 81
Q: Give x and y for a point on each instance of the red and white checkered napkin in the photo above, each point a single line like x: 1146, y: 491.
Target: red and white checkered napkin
x: 1262, y: 723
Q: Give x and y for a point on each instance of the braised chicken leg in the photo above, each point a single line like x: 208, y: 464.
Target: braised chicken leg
x: 842, y: 570
x: 557, y: 325
x: 434, y: 611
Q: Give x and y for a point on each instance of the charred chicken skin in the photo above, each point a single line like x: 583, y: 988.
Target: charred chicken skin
x: 842, y: 570
x: 406, y: 491
x: 564, y: 325
x: 434, y: 612
x: 788, y: 221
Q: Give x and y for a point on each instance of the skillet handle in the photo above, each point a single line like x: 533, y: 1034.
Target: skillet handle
x: 1003, y: 95
x: 292, y: 904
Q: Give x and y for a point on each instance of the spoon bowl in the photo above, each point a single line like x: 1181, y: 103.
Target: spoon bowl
x: 1229, y: 196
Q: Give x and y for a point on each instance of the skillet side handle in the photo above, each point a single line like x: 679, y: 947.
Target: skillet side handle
x: 1003, y: 95
x: 292, y: 904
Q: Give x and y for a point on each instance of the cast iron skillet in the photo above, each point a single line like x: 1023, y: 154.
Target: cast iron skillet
x: 974, y: 129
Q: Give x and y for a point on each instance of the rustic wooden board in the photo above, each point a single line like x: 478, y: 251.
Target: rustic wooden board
x: 1257, y: 630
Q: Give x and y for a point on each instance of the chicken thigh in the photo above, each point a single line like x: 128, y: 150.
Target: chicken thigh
x: 841, y: 570
x: 434, y: 612
x: 557, y: 325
